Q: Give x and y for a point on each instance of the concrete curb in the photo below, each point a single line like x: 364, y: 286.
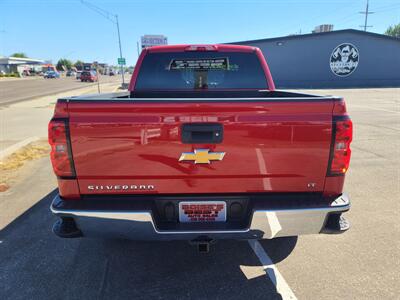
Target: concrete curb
x: 13, y: 148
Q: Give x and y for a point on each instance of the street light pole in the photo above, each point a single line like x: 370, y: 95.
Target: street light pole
x: 108, y: 16
x: 120, y: 51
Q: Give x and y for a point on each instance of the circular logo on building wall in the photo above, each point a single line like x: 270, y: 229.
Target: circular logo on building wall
x: 344, y: 59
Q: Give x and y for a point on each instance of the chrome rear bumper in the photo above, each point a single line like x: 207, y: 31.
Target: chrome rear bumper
x: 265, y: 224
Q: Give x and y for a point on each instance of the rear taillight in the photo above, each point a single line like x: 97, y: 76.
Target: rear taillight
x: 342, y: 134
x: 61, y: 157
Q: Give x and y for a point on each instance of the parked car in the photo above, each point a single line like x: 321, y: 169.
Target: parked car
x: 70, y: 73
x: 200, y: 150
x: 111, y: 73
x: 90, y: 76
x: 78, y: 75
x: 51, y: 74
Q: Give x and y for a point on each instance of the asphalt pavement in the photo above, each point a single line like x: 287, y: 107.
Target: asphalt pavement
x: 24, y: 89
x: 363, y: 263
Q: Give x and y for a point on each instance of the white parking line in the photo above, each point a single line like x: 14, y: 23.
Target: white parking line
x: 272, y: 271
x: 375, y: 108
x: 273, y: 222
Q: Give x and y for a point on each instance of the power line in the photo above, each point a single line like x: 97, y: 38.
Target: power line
x: 366, y: 13
x: 387, y: 7
x: 113, y: 19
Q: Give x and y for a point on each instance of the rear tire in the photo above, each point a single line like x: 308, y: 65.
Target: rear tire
x: 279, y: 248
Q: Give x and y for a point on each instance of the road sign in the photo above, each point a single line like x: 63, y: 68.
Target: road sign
x: 121, y: 61
x: 153, y: 40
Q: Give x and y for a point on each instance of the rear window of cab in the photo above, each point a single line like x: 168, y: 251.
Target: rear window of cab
x: 200, y: 71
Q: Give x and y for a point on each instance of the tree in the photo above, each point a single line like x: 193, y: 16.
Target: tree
x: 19, y: 54
x: 78, y: 63
x: 393, y: 31
x: 64, y: 64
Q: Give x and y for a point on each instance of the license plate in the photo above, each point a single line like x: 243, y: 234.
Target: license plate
x: 202, y: 211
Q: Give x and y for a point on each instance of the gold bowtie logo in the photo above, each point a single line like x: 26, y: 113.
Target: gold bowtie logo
x: 201, y: 156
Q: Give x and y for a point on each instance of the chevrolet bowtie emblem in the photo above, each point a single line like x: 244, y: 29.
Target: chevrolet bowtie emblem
x: 201, y: 156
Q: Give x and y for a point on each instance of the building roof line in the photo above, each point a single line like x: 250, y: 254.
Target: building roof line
x: 319, y: 34
x: 26, y: 59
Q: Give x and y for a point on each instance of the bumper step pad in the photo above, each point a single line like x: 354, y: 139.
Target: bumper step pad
x: 336, y: 224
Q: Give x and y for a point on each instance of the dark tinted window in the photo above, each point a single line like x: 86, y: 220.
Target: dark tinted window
x: 200, y: 70
x: 85, y: 74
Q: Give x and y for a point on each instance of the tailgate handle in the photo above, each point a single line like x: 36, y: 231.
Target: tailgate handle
x: 202, y: 133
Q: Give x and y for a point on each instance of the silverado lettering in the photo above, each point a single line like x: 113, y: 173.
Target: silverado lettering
x: 121, y: 187
x: 219, y: 152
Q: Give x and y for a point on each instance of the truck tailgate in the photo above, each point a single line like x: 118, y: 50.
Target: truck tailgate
x: 123, y: 147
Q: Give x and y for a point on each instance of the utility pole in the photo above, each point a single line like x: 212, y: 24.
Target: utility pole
x: 113, y: 19
x: 96, y: 64
x: 366, y: 13
x: 120, y: 52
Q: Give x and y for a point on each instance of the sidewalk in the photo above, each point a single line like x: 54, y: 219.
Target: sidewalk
x: 24, y: 120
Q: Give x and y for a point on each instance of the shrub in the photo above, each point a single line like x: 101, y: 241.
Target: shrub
x: 9, y: 75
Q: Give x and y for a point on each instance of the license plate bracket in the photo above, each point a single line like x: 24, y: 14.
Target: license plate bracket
x: 202, y: 211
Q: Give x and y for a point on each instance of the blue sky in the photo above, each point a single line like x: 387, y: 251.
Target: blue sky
x: 48, y: 29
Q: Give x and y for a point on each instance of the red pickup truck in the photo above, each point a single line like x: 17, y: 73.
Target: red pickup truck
x: 201, y: 147
x: 89, y: 76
